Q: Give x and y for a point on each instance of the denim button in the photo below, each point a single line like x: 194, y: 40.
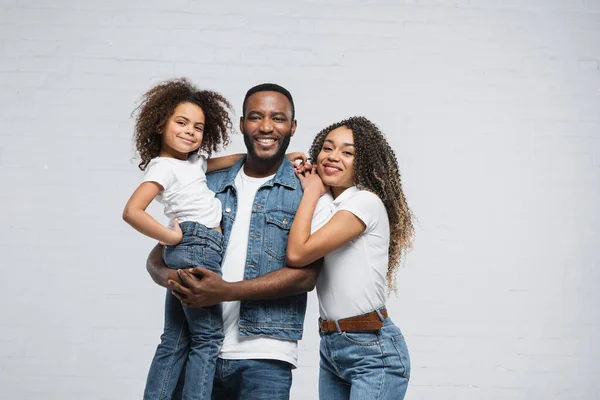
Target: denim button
x: 228, y: 210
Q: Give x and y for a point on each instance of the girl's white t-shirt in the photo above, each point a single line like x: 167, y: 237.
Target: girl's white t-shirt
x: 186, y: 195
x: 353, y: 278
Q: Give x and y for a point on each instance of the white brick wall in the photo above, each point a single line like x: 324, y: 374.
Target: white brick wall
x: 493, y: 109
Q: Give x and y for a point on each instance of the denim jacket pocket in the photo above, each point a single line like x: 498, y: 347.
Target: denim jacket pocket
x: 277, y: 231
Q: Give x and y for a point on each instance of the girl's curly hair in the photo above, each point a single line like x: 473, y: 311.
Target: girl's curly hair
x: 158, y: 104
x: 376, y: 170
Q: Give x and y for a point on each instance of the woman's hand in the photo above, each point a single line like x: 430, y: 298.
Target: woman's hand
x: 295, y: 156
x: 311, y: 181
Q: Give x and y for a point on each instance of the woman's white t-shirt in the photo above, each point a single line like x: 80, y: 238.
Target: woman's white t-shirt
x: 186, y: 195
x: 353, y: 278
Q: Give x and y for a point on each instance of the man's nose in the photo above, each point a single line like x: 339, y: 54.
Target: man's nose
x: 266, y: 125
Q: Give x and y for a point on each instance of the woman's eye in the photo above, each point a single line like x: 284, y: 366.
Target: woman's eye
x: 181, y: 123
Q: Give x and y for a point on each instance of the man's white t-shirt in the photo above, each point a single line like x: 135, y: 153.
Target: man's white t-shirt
x: 353, y: 278
x: 236, y: 347
x: 186, y: 195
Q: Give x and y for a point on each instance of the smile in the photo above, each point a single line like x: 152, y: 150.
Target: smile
x: 186, y: 140
x: 331, y: 169
x: 265, y: 140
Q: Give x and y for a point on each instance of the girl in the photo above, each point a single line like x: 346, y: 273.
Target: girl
x: 175, y: 123
x: 354, y: 206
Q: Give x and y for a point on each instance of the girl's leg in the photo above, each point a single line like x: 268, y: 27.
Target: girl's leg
x: 205, y: 324
x: 171, y: 353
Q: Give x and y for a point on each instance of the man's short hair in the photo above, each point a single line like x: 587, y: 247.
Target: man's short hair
x: 269, y: 87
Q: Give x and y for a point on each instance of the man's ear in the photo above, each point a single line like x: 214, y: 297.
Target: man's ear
x: 294, y: 125
x: 242, y: 124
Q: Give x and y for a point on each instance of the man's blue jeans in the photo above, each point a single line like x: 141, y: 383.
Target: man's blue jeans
x: 252, y: 380
x: 372, y: 365
x: 192, y: 337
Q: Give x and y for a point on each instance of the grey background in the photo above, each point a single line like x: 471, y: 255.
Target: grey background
x: 491, y: 105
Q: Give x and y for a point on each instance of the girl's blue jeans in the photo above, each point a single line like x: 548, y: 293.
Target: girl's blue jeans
x: 192, y: 337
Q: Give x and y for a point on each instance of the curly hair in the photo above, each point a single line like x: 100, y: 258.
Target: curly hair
x: 158, y: 104
x: 376, y: 170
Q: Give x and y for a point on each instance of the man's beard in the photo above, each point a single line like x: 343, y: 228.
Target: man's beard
x: 277, y: 156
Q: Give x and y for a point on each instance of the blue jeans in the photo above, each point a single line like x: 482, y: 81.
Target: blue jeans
x: 370, y: 365
x: 192, y: 337
x: 252, y: 380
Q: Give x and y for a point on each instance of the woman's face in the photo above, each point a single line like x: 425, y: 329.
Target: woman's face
x: 335, y: 162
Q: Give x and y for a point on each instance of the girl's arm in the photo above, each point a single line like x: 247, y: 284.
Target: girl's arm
x: 217, y: 163
x: 135, y: 215
x: 304, y: 248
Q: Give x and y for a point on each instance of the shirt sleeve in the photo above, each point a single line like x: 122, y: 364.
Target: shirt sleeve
x: 322, y: 213
x: 366, y: 206
x: 159, y: 172
x: 203, y: 161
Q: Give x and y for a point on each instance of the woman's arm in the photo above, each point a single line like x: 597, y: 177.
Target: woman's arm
x: 304, y: 248
x: 135, y: 215
x: 217, y: 163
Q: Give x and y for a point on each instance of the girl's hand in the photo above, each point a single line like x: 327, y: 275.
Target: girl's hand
x: 311, y: 181
x: 293, y: 157
x: 175, y: 236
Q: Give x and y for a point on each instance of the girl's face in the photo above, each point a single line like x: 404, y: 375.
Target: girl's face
x: 183, y: 131
x: 335, y: 162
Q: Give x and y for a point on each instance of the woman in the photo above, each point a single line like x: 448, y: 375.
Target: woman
x: 354, y: 214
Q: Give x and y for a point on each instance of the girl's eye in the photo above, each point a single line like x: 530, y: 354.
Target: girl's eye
x: 199, y: 129
x: 326, y: 148
x: 181, y: 123
x: 347, y: 153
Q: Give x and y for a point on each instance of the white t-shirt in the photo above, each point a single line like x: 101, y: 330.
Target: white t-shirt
x: 185, y: 195
x: 353, y: 278
x: 236, y: 347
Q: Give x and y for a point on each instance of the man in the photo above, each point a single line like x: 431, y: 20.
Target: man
x: 265, y: 302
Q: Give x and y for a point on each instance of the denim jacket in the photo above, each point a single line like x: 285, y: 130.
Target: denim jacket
x: 273, y: 211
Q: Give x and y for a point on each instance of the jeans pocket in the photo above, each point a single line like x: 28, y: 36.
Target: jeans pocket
x: 402, y: 349
x: 178, y: 257
x: 366, y: 338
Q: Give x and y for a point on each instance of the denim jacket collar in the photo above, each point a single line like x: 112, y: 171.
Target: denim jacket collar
x: 285, y: 175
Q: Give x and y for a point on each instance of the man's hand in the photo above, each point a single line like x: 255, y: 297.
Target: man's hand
x: 199, y: 287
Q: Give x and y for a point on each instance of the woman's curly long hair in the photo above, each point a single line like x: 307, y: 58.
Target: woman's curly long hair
x: 158, y: 104
x: 376, y: 170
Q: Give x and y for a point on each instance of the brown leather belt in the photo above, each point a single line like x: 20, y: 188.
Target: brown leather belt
x: 364, y: 322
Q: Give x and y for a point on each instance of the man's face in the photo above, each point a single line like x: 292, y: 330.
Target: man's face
x: 267, y: 125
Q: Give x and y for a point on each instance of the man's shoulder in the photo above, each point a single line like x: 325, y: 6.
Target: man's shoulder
x: 215, y: 178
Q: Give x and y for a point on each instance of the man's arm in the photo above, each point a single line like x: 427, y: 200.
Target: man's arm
x: 200, y: 287
x: 157, y: 268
